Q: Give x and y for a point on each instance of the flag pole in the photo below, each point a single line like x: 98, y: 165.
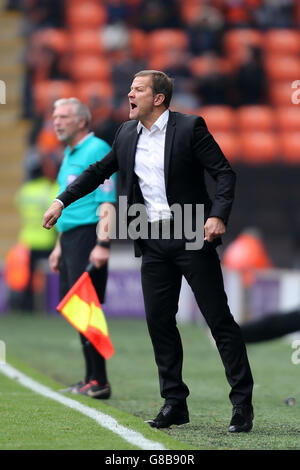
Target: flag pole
x: 90, y: 267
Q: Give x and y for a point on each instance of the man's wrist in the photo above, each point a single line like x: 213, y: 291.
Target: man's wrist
x: 104, y: 244
x: 61, y: 203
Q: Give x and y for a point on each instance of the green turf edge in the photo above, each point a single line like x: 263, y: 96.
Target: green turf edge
x: 126, y: 419
x: 31, y: 421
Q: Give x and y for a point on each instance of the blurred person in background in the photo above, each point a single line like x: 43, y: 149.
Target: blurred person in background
x: 14, y: 4
x: 78, y: 243
x: 205, y: 29
x: 275, y: 14
x: 31, y: 200
x: 43, y: 14
x: 42, y: 63
x: 117, y: 11
x: 250, y: 81
x: 248, y: 255
x: 158, y: 14
x: 213, y: 86
x: 122, y: 71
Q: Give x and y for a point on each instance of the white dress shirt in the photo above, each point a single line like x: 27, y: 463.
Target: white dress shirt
x: 149, y: 168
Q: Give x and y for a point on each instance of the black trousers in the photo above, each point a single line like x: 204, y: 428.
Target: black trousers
x: 164, y: 263
x: 77, y: 245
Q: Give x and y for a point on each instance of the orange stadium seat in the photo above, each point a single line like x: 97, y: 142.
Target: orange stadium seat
x: 236, y: 13
x: 259, y: 147
x: 47, y: 141
x: 139, y: 43
x: 161, y: 40
x: 282, y: 41
x: 237, y: 42
x: 86, y: 41
x: 218, y: 118
x: 255, y: 118
x: 85, y: 15
x: 289, y: 144
x: 201, y: 66
x: 240, y: 38
x: 288, y: 118
x: 229, y: 144
x: 167, y: 59
x: 252, y: 3
x: 90, y: 68
x: 56, y: 39
x: 190, y: 9
x: 282, y: 68
x: 94, y: 90
x: 70, y: 3
x: 206, y: 64
x: 280, y: 93
x: 46, y: 92
x: 97, y: 96
x: 160, y: 61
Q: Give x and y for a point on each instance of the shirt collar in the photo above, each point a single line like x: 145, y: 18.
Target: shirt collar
x: 160, y: 123
x: 90, y: 134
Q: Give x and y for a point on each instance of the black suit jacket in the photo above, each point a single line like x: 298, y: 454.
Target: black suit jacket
x: 190, y: 150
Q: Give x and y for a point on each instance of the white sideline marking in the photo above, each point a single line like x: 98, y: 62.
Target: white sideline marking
x: 103, y: 419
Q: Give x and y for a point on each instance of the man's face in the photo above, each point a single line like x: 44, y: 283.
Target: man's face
x: 66, y: 123
x: 141, y: 99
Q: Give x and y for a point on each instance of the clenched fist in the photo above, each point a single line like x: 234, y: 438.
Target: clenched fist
x: 214, y: 228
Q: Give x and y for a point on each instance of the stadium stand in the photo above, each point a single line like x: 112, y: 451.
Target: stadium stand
x: 233, y: 63
x: 230, y: 144
x: 279, y: 94
x: 218, y: 118
x: 288, y: 118
x: 255, y: 118
x: 258, y: 147
x: 90, y: 15
x: 13, y: 130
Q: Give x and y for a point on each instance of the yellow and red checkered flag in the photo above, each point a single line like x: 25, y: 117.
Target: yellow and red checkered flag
x: 81, y: 307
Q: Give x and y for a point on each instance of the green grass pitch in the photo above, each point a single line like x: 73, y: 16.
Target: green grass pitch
x: 47, y: 348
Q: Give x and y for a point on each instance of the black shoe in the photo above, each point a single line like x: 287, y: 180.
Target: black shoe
x: 170, y: 414
x: 94, y: 390
x: 242, y: 417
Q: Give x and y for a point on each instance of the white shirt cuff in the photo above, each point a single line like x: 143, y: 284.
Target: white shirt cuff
x: 58, y: 200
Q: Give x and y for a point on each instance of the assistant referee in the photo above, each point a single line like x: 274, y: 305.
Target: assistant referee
x: 78, y: 243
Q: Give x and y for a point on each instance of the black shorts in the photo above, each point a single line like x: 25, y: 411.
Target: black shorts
x: 77, y: 245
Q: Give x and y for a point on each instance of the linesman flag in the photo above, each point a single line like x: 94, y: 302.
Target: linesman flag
x: 81, y: 307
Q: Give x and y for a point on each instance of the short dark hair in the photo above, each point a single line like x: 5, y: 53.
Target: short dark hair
x: 161, y: 83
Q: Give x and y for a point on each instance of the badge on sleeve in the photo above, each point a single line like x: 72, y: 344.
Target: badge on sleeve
x: 71, y: 178
x: 107, y: 186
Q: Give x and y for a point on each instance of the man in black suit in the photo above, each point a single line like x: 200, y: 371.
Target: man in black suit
x: 161, y: 156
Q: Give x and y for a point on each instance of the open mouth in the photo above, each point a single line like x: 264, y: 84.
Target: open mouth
x: 133, y: 106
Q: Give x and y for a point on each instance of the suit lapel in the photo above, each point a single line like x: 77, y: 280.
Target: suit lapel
x: 134, y: 137
x: 170, y: 132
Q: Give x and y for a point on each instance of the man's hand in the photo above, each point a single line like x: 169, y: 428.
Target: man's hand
x: 52, y: 214
x: 213, y: 228
x: 54, y: 258
x: 99, y: 256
